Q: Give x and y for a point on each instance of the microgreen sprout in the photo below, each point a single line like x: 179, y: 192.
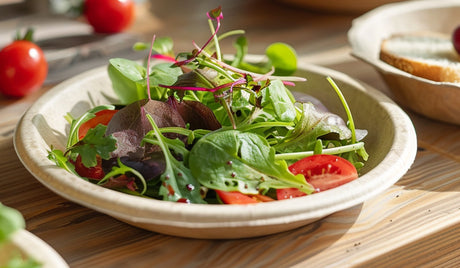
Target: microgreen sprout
x: 215, y: 14
x: 148, y: 68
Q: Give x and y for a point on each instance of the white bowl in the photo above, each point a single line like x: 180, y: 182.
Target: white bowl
x: 440, y: 101
x: 30, y: 246
x: 391, y: 144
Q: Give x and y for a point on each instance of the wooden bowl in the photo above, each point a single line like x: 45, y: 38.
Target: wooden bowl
x: 436, y: 100
x: 28, y: 246
x: 391, y: 143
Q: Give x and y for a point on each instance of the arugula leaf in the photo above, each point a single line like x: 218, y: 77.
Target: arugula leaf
x: 58, y: 157
x: 122, y: 169
x: 232, y: 160
x: 94, y: 143
x: 178, y: 184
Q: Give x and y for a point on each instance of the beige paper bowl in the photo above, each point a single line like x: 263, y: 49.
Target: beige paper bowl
x: 339, y: 6
x: 28, y: 246
x: 435, y: 100
x: 391, y: 143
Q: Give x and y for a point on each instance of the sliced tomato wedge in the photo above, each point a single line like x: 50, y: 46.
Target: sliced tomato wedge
x: 322, y: 171
x: 238, y: 198
x: 95, y: 172
x: 102, y: 117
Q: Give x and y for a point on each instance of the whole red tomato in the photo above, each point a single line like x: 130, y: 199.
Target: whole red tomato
x: 23, y: 68
x: 109, y: 16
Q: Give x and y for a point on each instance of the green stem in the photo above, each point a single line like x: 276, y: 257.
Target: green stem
x: 351, y: 123
x: 216, y: 40
x: 249, y: 127
x: 336, y: 150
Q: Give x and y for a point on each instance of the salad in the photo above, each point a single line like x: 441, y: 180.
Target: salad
x: 201, y: 127
x: 11, y: 221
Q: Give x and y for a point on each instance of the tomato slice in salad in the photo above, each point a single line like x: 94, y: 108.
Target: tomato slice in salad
x: 322, y: 171
x: 102, y: 117
x: 238, y: 198
x: 96, y: 172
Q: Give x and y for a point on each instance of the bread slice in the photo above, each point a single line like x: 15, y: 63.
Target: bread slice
x: 424, y: 54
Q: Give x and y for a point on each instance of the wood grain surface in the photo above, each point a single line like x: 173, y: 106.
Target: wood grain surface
x: 415, y: 223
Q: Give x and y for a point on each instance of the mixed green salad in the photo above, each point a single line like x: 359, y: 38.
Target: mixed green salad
x: 200, y: 127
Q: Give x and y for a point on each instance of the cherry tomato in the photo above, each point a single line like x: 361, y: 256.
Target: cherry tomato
x: 238, y: 198
x: 322, y: 171
x: 456, y: 39
x: 109, y: 16
x: 95, y: 172
x: 23, y: 68
x: 102, y: 117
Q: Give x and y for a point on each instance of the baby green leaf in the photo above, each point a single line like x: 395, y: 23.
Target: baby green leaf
x: 312, y: 125
x: 58, y: 157
x: 283, y: 57
x: 277, y: 98
x: 178, y: 184
x: 237, y: 161
x: 127, y: 80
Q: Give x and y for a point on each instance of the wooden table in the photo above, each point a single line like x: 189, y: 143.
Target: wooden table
x: 414, y: 223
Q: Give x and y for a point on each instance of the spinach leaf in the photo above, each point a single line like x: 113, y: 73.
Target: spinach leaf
x: 128, y: 80
x: 162, y: 74
x: 231, y: 160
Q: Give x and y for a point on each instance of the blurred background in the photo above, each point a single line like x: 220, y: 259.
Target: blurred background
x: 71, y: 47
